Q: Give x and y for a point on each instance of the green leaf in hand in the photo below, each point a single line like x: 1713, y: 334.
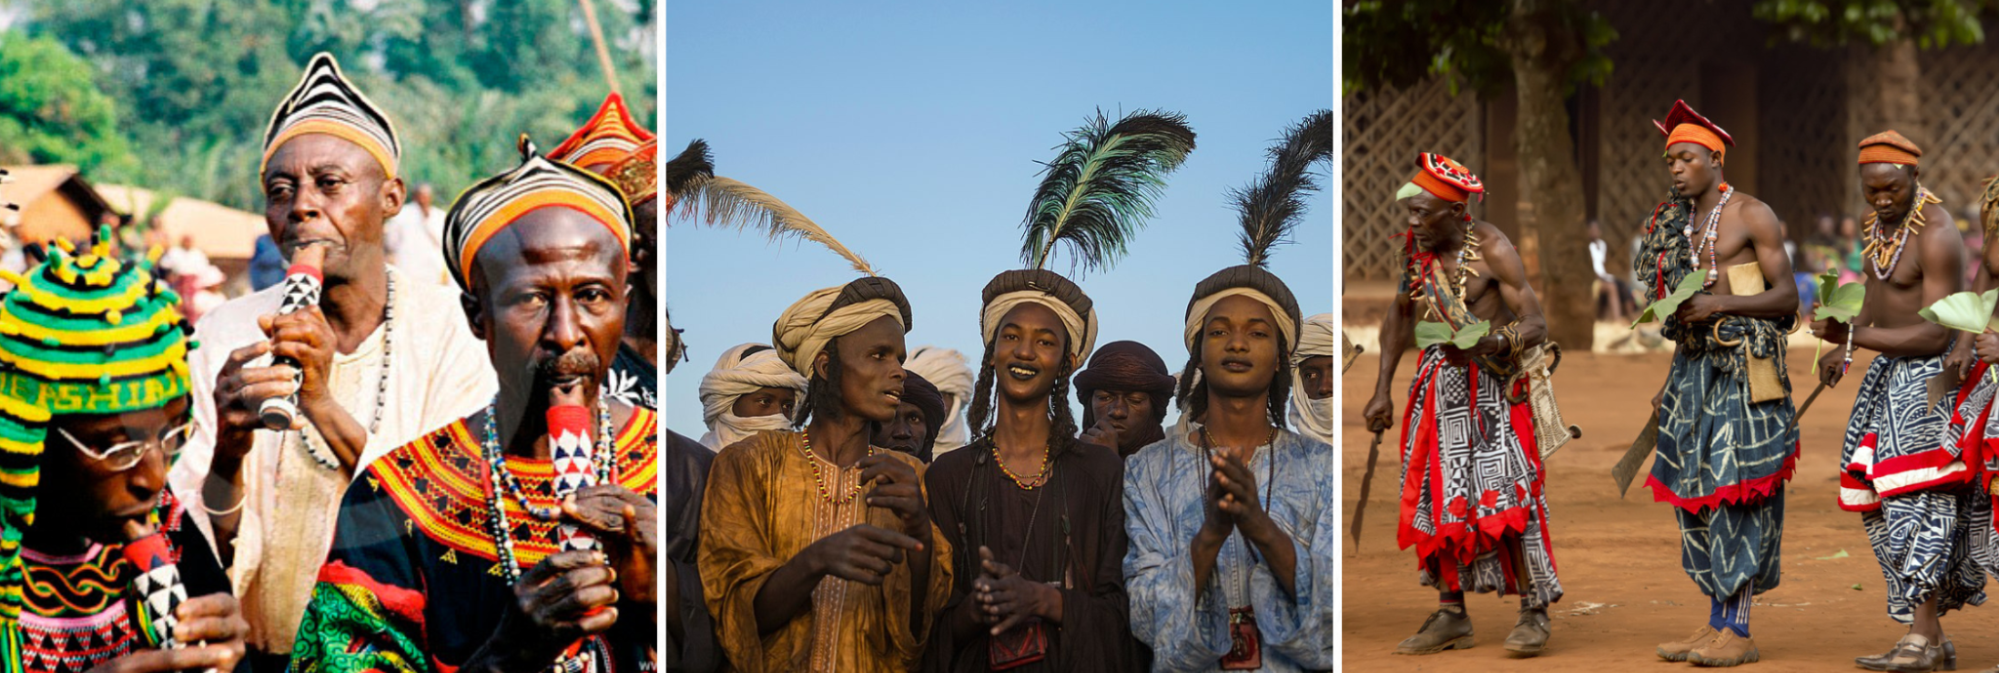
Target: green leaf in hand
x: 1827, y: 282
x: 1670, y: 304
x: 1431, y: 333
x: 1469, y: 336
x: 1842, y: 304
x: 1966, y: 311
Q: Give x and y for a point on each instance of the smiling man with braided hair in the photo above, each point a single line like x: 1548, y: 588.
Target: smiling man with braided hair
x: 1032, y: 511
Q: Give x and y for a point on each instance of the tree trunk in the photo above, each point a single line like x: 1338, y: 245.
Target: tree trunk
x: 1899, y: 80
x: 1551, y: 194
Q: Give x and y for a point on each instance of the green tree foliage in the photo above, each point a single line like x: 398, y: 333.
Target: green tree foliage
x: 196, y: 80
x: 1933, y: 24
x: 1397, y: 44
x: 51, y: 111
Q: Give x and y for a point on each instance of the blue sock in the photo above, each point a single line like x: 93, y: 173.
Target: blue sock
x: 1714, y: 614
x: 1735, y: 610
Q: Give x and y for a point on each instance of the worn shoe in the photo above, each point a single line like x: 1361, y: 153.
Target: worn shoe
x: 1676, y: 651
x: 1727, y: 649
x: 1530, y: 635
x: 1879, y: 663
x: 1442, y: 631
x: 1915, y: 653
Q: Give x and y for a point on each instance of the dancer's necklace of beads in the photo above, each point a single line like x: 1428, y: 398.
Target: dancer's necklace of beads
x: 819, y: 474
x: 1707, y: 238
x: 1884, y: 252
x: 1030, y: 482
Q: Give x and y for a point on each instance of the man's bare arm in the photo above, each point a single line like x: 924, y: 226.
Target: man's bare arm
x: 1511, y: 274
x: 1781, y: 298
x: 1942, y: 256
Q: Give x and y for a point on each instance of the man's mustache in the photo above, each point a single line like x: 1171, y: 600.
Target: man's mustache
x: 574, y: 362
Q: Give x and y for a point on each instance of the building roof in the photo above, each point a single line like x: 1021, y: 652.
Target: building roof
x: 218, y: 231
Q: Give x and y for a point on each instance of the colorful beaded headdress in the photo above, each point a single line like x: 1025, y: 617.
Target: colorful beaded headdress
x: 1683, y: 125
x: 82, y: 333
x: 323, y: 102
x: 1889, y: 147
x: 493, y: 204
x: 610, y: 136
x: 1446, y: 179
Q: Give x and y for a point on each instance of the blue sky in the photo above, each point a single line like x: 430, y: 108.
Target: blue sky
x: 911, y: 131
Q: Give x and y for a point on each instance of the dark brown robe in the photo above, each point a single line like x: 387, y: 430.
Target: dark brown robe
x: 1084, y: 498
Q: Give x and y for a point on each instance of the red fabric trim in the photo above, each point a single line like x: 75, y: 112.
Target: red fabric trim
x: 1934, y: 458
x: 1740, y: 493
x: 404, y: 602
x: 1847, y: 480
x: 1960, y: 477
x: 1466, y: 538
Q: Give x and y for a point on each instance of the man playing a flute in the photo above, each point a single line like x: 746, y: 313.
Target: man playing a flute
x: 521, y: 537
x: 369, y: 367
x: 87, y: 433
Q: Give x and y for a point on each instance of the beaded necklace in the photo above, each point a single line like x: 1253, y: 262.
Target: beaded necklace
x: 496, y: 519
x: 1883, y: 251
x: 496, y: 461
x: 324, y: 457
x: 1708, y: 238
x: 819, y: 473
x: 1030, y: 482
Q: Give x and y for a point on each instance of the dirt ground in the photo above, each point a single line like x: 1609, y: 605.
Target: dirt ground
x: 1618, y: 559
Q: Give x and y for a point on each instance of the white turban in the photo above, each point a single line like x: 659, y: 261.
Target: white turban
x: 1313, y: 418
x: 1197, y: 315
x: 735, y: 376
x: 947, y: 370
x: 805, y: 327
x: 1082, y: 329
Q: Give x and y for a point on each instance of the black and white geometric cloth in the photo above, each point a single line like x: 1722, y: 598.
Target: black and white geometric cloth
x: 1477, y: 486
x: 1922, y: 536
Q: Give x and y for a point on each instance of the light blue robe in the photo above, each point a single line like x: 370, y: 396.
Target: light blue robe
x: 1188, y: 629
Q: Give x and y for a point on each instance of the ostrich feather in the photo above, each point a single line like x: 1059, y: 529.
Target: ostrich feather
x: 1100, y: 188
x: 1273, y: 204
x: 686, y: 171
x: 730, y: 203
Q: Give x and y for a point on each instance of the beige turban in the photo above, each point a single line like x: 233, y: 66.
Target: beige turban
x: 804, y: 328
x: 1013, y: 288
x: 1197, y: 315
x: 1312, y: 418
x: 736, y: 375
x: 1082, y: 329
x: 947, y: 370
x: 1316, y: 339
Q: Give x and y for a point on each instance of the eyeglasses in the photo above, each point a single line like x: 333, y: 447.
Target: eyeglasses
x: 123, y: 456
